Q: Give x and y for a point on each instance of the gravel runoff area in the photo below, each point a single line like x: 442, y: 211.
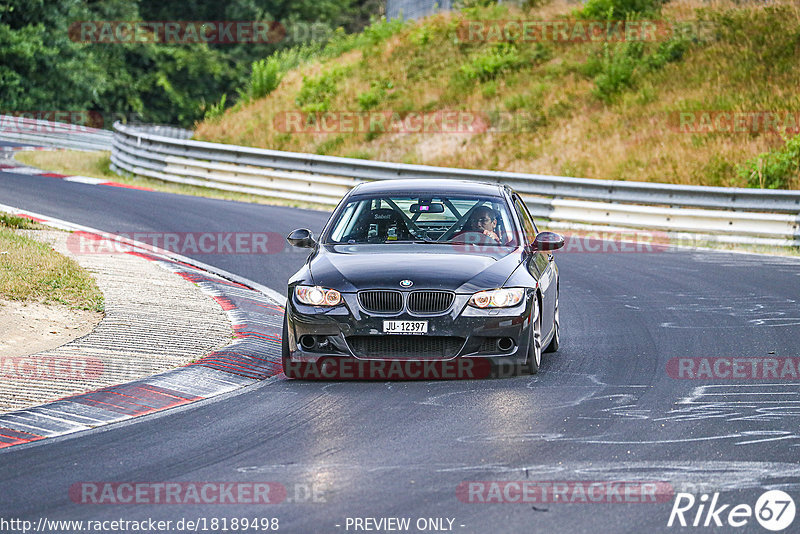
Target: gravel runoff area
x: 154, y: 320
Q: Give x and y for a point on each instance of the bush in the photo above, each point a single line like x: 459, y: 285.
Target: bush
x: 467, y: 4
x: 667, y: 52
x: 265, y: 77
x: 375, y: 95
x: 490, y: 63
x: 12, y: 221
x: 377, y: 32
x: 616, y: 67
x: 329, y: 145
x: 315, y: 94
x: 266, y: 74
x: 382, y: 29
x: 421, y: 36
x: 620, y: 9
x: 215, y: 111
x: 776, y: 169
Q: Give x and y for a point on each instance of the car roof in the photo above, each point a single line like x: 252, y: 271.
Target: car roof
x: 421, y: 185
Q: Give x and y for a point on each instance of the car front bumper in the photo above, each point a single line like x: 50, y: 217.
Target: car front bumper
x: 462, y: 336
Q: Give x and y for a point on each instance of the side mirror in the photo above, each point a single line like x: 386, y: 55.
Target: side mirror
x: 548, y: 241
x: 302, y: 238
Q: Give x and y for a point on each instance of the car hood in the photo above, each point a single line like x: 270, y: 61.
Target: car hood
x: 350, y: 268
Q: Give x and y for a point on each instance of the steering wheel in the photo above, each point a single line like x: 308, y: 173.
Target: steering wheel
x: 450, y: 232
x: 477, y: 237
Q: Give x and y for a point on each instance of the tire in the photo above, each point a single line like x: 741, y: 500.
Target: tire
x: 288, y: 369
x: 554, y: 343
x: 535, y: 347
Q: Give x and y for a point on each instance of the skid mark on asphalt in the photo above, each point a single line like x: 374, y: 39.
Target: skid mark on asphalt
x: 756, y: 310
x: 557, y: 397
x: 751, y: 403
x: 738, y: 402
x: 691, y: 476
x: 438, y: 400
x: 754, y: 403
x: 583, y: 390
x: 624, y: 407
x: 746, y: 260
x: 716, y: 311
x: 743, y: 438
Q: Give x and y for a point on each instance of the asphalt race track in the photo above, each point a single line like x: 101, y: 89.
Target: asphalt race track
x: 602, y: 409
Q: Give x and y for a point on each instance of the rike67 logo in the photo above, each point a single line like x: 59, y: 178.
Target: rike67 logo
x: 774, y: 510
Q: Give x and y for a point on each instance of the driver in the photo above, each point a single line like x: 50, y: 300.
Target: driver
x: 483, y: 220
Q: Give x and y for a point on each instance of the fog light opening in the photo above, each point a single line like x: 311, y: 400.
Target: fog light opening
x: 505, y: 344
x: 308, y: 342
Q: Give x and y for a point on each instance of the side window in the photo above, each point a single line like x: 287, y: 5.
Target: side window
x: 528, y: 226
x: 346, y: 221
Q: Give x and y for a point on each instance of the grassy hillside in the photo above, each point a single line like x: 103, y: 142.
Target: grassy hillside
x: 589, y: 109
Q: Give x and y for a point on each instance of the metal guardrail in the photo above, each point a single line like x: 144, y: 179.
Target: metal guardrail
x: 56, y: 134
x: 765, y: 216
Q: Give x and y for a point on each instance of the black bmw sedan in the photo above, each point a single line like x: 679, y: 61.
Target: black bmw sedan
x: 423, y: 279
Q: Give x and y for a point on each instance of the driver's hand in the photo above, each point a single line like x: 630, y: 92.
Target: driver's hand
x: 491, y: 234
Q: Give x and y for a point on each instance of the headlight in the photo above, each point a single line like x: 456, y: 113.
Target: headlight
x: 317, y: 296
x: 497, y: 298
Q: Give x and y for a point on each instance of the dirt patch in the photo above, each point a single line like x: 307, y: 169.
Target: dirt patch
x: 147, y: 328
x: 28, y: 328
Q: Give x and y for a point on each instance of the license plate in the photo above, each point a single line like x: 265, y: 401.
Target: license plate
x: 405, y: 327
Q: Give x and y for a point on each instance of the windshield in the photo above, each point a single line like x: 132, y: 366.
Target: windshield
x: 429, y: 219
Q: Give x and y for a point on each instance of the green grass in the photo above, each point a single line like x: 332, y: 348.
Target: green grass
x: 775, y: 169
x: 72, y: 162
x: 317, y: 92
x: 32, y: 271
x: 14, y: 222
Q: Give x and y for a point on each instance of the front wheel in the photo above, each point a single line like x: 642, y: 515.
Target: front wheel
x: 535, y: 346
x: 554, y: 343
x: 288, y: 368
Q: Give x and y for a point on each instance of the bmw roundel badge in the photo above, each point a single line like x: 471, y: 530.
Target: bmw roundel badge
x: 406, y: 283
